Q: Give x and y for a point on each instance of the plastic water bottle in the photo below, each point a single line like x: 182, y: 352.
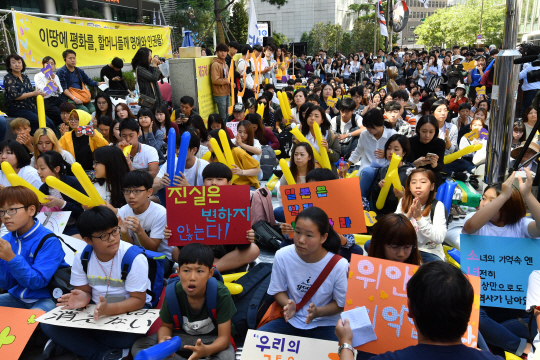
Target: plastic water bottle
x: 342, y: 164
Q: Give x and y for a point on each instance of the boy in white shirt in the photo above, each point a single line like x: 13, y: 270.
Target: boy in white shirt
x: 350, y: 127
x: 141, y: 156
x: 142, y: 221
x: 99, y: 228
x: 192, y: 175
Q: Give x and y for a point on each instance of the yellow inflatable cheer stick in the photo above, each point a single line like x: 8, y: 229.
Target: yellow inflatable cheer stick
x: 233, y: 277
x: 286, y: 172
x: 277, y: 152
x: 227, y: 151
x: 324, y: 153
x: 127, y: 150
x: 217, y: 151
x: 207, y: 155
x: 234, y: 289
x: 388, y: 180
x: 79, y: 173
x: 467, y: 150
x: 353, y: 174
x: 260, y: 110
x: 41, y: 111
x: 296, y: 132
x: 396, y: 181
x: 361, y: 239
x: 69, y: 191
x: 16, y: 180
x: 271, y: 183
x: 7, y: 168
x: 287, y: 105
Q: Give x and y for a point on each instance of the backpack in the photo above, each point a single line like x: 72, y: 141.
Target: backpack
x: 338, y: 123
x: 266, y: 236
x: 253, y: 302
x: 285, y: 142
x: 156, y: 267
x: 261, y: 206
x: 60, y: 282
x: 268, y: 162
x: 448, y: 217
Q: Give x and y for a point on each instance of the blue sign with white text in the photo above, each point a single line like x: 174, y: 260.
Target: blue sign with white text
x: 503, y: 265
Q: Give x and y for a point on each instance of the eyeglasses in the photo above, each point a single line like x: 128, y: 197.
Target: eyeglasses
x: 11, y: 211
x: 73, y: 120
x: 134, y: 192
x: 94, y: 163
x: 107, y: 236
x: 396, y: 249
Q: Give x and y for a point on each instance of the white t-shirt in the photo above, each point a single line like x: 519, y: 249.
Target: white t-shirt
x: 517, y: 230
x: 188, y: 173
x: 202, y: 150
x: 147, y: 155
x: 379, y: 66
x: 294, y: 276
x: 367, y: 144
x: 28, y: 173
x: 98, y: 275
x: 103, y: 192
x: 66, y: 155
x: 153, y: 221
x: 345, y: 127
x: 256, y: 143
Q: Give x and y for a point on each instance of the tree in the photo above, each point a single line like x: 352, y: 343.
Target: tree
x: 198, y: 18
x: 280, y: 38
x: 278, y: 3
x: 359, y: 8
x: 346, y: 45
x: 305, y: 37
x: 239, y: 21
x: 325, y: 36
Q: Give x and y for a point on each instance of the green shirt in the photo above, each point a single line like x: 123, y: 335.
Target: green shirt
x: 200, y: 323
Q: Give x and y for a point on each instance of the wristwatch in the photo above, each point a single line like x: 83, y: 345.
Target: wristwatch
x: 345, y: 346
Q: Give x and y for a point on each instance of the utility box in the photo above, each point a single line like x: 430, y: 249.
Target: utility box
x: 189, y: 52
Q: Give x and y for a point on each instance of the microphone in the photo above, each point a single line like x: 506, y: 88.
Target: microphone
x: 526, y: 59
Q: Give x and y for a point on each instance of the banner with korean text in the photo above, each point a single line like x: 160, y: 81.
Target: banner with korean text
x: 37, y: 38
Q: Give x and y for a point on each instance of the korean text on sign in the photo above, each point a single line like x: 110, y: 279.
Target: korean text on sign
x: 212, y: 215
x: 503, y: 265
x: 381, y: 286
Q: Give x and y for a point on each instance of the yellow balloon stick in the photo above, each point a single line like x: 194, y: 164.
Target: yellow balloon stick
x: 287, y: 172
x: 396, y: 181
x: 234, y: 289
x: 226, y: 147
x: 7, y: 168
x: 300, y: 137
x: 233, y: 277
x: 85, y: 182
x: 287, y: 105
x: 68, y: 191
x: 41, y: 111
x: 324, y: 154
x: 127, y: 150
x: 260, y: 110
x: 277, y: 152
x: 217, y: 151
x: 207, y: 155
x: 391, y: 174
x: 467, y: 150
x: 16, y: 180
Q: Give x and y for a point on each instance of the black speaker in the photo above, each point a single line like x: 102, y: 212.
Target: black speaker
x: 268, y: 41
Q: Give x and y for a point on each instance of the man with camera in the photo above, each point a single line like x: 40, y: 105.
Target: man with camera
x: 529, y: 88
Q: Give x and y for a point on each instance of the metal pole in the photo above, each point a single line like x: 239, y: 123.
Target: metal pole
x: 503, y: 101
x: 375, y: 31
x: 482, y: 13
x: 389, y: 22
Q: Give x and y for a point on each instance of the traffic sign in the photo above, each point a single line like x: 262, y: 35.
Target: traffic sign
x: 479, y: 37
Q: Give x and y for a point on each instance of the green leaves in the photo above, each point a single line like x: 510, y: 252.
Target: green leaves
x: 239, y: 22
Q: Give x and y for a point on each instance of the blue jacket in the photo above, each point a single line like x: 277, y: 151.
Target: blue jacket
x: 24, y: 278
x: 70, y: 79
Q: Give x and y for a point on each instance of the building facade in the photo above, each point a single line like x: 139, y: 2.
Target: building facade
x: 298, y: 16
x: 417, y: 14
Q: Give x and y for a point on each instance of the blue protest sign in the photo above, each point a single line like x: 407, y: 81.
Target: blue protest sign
x: 503, y: 265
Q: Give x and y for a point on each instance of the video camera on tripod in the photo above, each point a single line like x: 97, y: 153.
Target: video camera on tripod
x: 530, y: 53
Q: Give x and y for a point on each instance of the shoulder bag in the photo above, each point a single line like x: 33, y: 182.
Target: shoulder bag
x: 81, y: 94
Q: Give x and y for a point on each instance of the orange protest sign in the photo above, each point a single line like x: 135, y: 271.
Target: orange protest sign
x: 345, y: 217
x: 381, y: 286
x: 16, y: 327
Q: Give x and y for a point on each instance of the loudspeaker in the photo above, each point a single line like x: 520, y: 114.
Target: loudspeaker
x: 268, y: 41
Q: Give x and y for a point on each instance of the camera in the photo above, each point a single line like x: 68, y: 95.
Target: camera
x: 162, y: 59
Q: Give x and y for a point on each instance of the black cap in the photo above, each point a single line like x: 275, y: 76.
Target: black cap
x: 239, y: 107
x: 235, y: 45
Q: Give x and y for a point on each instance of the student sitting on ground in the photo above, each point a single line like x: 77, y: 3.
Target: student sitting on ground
x: 203, y: 335
x: 99, y: 229
x: 17, y: 156
x: 104, y: 124
x: 226, y: 257
x: 46, y: 140
x: 347, y: 126
x: 51, y: 163
x: 440, y: 286
x: 21, y: 128
x: 151, y: 134
x: 142, y: 221
x: 348, y: 245
x: 110, y: 168
x: 416, y: 205
x: 23, y: 275
x: 141, y: 157
x: 296, y: 268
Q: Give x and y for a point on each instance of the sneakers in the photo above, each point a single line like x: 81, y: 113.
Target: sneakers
x: 461, y: 212
x: 52, y: 350
x: 114, y: 354
x: 453, y: 212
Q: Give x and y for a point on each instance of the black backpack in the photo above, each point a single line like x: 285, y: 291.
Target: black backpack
x: 338, y: 123
x: 449, y: 217
x: 285, y: 142
x: 253, y: 302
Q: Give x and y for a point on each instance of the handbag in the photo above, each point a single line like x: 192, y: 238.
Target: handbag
x: 275, y: 311
x: 81, y: 94
x: 60, y: 282
x: 147, y: 101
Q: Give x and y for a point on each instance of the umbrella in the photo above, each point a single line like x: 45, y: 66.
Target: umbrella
x: 187, y: 39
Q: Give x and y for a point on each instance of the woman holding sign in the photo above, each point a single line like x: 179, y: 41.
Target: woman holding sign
x: 52, y: 98
x: 309, y: 281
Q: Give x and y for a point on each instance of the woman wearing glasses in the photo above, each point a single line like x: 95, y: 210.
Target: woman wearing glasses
x: 51, y: 163
x: 24, y: 273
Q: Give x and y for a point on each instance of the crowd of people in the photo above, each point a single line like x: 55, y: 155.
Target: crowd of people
x: 365, y: 115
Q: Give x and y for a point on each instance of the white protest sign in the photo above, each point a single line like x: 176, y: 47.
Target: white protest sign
x: 233, y: 125
x: 261, y: 345
x: 55, y: 221
x: 263, y: 31
x: 137, y: 322
x: 360, y: 324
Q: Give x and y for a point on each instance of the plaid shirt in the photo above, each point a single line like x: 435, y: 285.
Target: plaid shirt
x: 402, y: 127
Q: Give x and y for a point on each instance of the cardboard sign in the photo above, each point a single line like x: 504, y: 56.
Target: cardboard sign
x: 481, y: 90
x: 345, y: 217
x: 262, y: 345
x: 50, y: 87
x: 212, y: 215
x: 16, y: 327
x: 137, y: 322
x: 472, y: 135
x: 55, y: 221
x: 47, y: 70
x: 381, y: 286
x: 483, y: 134
x: 503, y: 264
x: 331, y: 101
x: 469, y: 65
x: 233, y: 125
